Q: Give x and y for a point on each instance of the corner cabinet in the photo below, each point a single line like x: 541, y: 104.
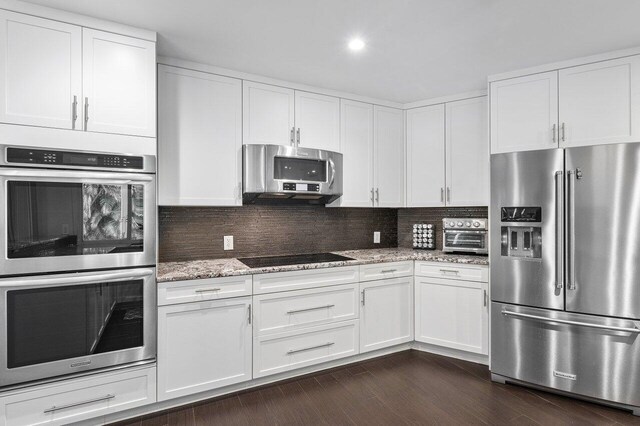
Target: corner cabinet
x: 389, y: 156
x: 199, y: 138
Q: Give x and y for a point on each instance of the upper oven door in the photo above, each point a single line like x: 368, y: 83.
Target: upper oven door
x: 471, y: 241
x: 58, y: 220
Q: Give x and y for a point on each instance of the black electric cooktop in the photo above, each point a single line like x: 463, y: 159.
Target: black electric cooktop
x: 265, y: 262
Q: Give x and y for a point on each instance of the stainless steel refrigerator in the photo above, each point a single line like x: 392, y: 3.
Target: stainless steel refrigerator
x: 565, y: 271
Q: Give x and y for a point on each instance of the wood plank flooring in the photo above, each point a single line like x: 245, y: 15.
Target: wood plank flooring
x: 408, y: 388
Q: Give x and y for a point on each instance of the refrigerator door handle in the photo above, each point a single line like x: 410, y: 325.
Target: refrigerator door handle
x: 634, y: 329
x: 571, y: 238
x: 559, y: 181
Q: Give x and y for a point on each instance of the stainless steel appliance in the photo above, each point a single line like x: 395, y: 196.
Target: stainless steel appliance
x: 465, y: 235
x: 274, y: 173
x: 72, y: 210
x: 565, y: 271
x: 59, y: 324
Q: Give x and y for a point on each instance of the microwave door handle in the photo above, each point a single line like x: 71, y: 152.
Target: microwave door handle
x: 76, y: 279
x: 333, y: 172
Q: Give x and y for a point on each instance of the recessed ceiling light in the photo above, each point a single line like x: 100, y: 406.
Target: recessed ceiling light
x: 356, y: 44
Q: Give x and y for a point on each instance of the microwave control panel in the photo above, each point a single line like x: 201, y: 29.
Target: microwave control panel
x: 71, y: 158
x: 307, y: 187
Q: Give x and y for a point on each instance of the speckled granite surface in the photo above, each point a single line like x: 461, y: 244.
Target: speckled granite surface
x: 214, y: 268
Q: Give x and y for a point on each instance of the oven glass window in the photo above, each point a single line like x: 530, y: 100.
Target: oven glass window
x: 56, y: 323
x: 62, y: 219
x: 464, y: 240
x: 299, y: 169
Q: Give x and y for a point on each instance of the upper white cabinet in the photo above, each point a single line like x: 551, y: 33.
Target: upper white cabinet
x: 59, y: 75
x: 426, y: 156
x: 467, y: 153
x: 40, y: 71
x: 600, y: 103
x: 524, y: 113
x: 389, y: 156
x: 317, y: 121
x: 268, y: 114
x: 119, y: 83
x: 199, y: 138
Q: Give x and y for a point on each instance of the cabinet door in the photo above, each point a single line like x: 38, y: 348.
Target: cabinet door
x: 389, y: 156
x: 600, y: 103
x: 524, y: 113
x: 386, y: 313
x: 425, y: 157
x: 267, y: 114
x: 467, y: 153
x: 203, y: 346
x: 200, y: 123
x: 356, y: 146
x: 40, y: 71
x: 119, y: 83
x: 318, y: 121
x: 452, y: 313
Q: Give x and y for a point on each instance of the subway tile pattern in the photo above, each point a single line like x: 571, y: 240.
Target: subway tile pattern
x: 407, y: 217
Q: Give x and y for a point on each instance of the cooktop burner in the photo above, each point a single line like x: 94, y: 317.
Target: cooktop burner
x: 265, y: 262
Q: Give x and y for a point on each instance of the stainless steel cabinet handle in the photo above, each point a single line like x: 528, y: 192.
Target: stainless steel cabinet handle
x: 372, y: 198
x: 324, y: 345
x: 442, y: 195
x: 571, y: 237
x: 385, y: 271
x: 298, y: 137
x: 206, y: 290
x: 77, y: 404
x: 310, y: 309
x: 562, y: 127
x: 453, y: 271
x: 74, y: 112
x: 448, y: 194
x: 249, y: 313
x: 559, y: 177
x: 362, y: 300
x: 86, y: 113
x: 634, y: 329
x: 485, y: 297
x: 292, y: 136
x: 553, y: 133
x: 378, y: 196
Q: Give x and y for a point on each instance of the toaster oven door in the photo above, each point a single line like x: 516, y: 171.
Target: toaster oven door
x: 465, y: 241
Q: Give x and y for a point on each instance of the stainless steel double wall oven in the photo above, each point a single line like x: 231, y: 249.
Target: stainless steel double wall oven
x: 77, y: 262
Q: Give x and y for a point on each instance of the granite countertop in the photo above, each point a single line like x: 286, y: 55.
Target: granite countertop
x: 214, y: 268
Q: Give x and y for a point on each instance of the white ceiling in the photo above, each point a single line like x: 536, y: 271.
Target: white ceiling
x: 416, y: 49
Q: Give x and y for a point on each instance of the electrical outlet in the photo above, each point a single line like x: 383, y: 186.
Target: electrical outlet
x: 228, y: 242
x: 376, y: 237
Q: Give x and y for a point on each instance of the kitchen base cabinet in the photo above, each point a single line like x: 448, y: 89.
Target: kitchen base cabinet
x: 203, y: 346
x: 386, y: 313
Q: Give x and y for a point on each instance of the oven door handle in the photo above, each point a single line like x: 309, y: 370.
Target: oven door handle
x: 112, y: 178
x: 75, y: 279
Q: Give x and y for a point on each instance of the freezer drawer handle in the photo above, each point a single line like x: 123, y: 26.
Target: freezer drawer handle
x: 635, y: 329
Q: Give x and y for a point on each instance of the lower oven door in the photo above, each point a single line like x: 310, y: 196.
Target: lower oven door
x: 593, y: 356
x: 63, y: 324
x: 469, y: 241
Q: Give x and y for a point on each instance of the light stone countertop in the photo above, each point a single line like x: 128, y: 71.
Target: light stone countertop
x: 215, y: 268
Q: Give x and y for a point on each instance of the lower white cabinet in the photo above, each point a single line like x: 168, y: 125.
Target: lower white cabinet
x: 203, y: 346
x: 386, y: 313
x: 79, y: 399
x: 452, y: 313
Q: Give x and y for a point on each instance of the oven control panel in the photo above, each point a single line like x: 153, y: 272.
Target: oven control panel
x: 73, y: 158
x: 308, y: 187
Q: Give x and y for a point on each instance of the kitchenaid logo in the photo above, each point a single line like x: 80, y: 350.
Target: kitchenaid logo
x: 564, y: 375
x: 80, y: 364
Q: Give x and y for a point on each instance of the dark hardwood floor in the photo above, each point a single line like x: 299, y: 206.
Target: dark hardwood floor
x: 406, y: 388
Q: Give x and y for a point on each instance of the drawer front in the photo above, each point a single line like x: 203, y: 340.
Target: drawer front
x: 594, y: 362
x: 170, y: 293
x: 309, y: 278
x: 279, y: 312
x: 288, y: 351
x: 455, y: 271
x: 380, y: 271
x: 81, y: 399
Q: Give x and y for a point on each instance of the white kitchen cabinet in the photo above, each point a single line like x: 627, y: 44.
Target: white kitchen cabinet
x: 467, y: 153
x: 452, y: 313
x: 524, y: 113
x: 268, y: 114
x: 40, y: 71
x: 356, y: 146
x: 203, y: 346
x: 317, y: 121
x: 386, y: 313
x: 199, y: 138
x: 389, y: 156
x: 426, y: 156
x: 119, y: 83
x: 600, y: 103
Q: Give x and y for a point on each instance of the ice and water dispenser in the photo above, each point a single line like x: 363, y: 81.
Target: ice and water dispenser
x: 523, y: 237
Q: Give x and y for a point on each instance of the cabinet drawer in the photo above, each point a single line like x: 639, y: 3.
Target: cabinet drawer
x: 309, y: 278
x: 170, y: 293
x: 455, y: 271
x: 80, y: 399
x: 279, y: 312
x: 379, y: 271
x: 287, y: 351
